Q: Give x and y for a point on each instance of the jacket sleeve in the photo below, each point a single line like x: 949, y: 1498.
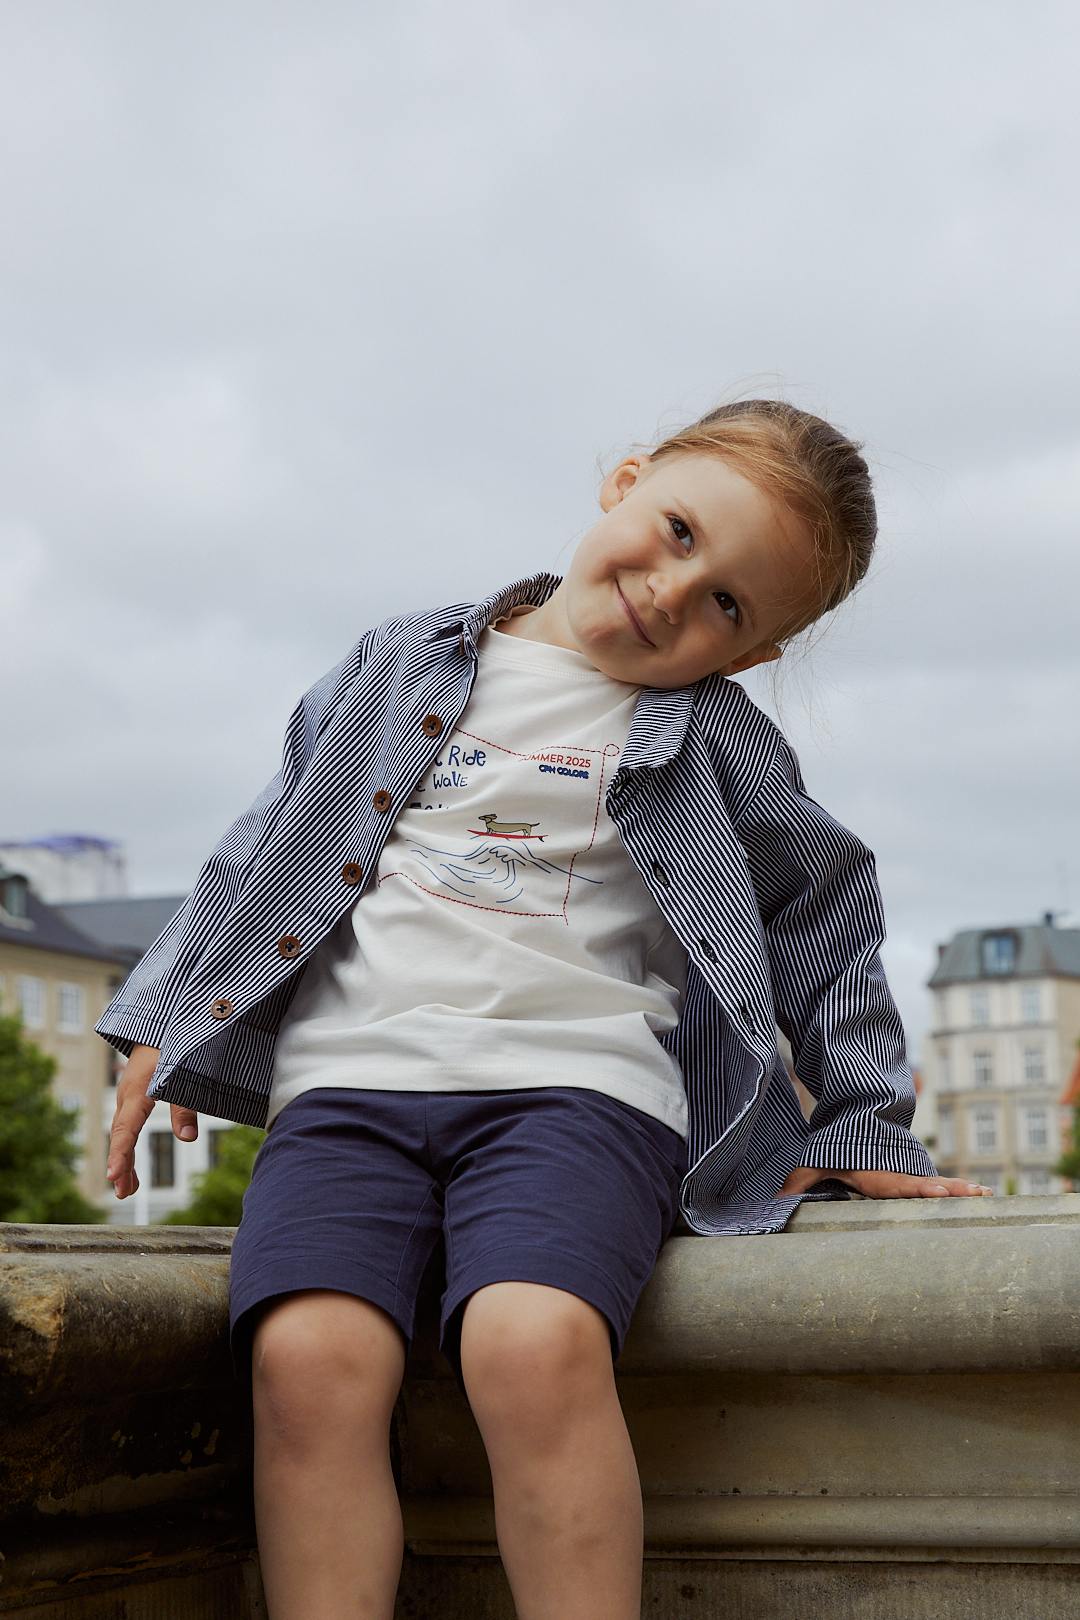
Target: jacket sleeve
x: 139, y: 1012
x: 821, y: 908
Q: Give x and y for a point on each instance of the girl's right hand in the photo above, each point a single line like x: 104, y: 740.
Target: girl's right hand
x: 133, y: 1109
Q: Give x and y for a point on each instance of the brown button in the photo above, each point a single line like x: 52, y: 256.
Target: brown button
x: 288, y: 945
x: 352, y: 873
x: 221, y: 1008
x: 432, y: 725
x: 381, y: 801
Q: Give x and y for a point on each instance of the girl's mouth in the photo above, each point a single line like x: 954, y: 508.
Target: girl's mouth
x: 630, y: 615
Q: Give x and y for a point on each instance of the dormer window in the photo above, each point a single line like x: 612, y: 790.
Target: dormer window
x: 13, y: 893
x: 999, y: 953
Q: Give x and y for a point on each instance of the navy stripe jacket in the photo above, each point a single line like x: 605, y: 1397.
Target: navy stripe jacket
x: 776, y: 903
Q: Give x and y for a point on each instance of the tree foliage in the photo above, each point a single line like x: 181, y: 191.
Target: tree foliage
x: 1069, y: 1163
x: 39, y: 1155
x: 217, y: 1197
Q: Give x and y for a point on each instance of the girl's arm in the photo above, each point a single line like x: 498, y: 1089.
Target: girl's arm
x: 817, y: 892
x: 138, y: 1013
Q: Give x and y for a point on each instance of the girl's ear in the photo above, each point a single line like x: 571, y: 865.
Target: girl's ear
x: 765, y: 653
x: 621, y: 480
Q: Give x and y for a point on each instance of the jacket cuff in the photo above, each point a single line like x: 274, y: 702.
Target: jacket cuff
x: 127, y: 1024
x: 897, y: 1150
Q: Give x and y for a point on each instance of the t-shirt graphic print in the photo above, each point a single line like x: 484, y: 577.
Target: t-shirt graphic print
x: 506, y: 938
x: 527, y: 865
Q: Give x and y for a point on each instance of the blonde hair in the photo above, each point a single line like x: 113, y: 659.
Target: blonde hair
x: 810, y: 467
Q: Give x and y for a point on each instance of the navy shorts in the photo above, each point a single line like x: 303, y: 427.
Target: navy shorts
x: 353, y: 1189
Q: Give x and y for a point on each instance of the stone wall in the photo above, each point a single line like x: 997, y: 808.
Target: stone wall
x: 874, y: 1414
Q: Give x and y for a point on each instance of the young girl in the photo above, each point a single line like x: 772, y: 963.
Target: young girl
x: 498, y: 956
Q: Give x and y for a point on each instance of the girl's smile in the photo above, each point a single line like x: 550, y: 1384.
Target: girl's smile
x: 634, y: 619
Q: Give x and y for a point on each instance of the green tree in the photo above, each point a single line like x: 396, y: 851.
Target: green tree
x: 218, y: 1193
x: 1069, y: 1163
x: 38, y: 1152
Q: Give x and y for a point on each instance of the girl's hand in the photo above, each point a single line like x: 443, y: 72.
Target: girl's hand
x: 133, y: 1109
x: 887, y: 1184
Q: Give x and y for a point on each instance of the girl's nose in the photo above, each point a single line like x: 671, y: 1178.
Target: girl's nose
x: 669, y: 596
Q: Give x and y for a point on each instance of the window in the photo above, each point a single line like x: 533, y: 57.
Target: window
x: 1030, y: 1003
x: 1034, y: 1065
x: 945, y: 1067
x: 986, y: 1136
x: 13, y: 894
x: 982, y: 1067
x: 980, y: 1006
x: 1036, y: 1181
x: 214, y: 1147
x: 1036, y: 1129
x: 32, y: 1001
x: 72, y: 1102
x: 71, y: 1016
x: 991, y: 1179
x: 998, y: 953
x: 162, y: 1159
x: 946, y: 1133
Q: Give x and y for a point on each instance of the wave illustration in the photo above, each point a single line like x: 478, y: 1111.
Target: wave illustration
x: 493, y: 870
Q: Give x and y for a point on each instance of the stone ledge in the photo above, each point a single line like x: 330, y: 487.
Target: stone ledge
x: 864, y: 1286
x: 881, y: 1386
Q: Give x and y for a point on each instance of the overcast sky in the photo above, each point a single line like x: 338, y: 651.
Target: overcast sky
x: 312, y: 314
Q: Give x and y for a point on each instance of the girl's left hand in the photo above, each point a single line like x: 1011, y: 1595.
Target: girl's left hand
x: 887, y: 1184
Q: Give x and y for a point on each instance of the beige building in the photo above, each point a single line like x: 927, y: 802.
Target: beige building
x: 1000, y: 1051
x: 60, y: 964
x: 166, y: 1167
x: 60, y: 980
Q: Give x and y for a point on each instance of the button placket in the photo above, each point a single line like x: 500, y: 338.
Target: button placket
x: 432, y: 725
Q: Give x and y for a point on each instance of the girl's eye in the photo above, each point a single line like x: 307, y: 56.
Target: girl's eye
x: 718, y: 594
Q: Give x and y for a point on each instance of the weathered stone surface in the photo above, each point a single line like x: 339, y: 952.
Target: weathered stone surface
x: 874, y: 1412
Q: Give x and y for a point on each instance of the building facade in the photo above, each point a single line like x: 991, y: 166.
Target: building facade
x: 1000, y: 1052
x: 166, y: 1167
x: 59, y: 968
x: 58, y: 980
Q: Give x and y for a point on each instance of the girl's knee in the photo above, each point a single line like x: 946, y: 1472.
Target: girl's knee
x: 527, y: 1348
x: 320, y: 1352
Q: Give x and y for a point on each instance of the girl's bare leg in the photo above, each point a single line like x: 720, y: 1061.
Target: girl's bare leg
x: 326, y: 1371
x: 536, y: 1362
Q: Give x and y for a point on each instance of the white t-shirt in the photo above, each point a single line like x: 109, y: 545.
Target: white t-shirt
x: 506, y: 940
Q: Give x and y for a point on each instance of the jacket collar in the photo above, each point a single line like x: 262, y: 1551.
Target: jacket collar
x: 661, y: 715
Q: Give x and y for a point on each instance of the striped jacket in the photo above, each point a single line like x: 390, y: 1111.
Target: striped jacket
x: 776, y: 903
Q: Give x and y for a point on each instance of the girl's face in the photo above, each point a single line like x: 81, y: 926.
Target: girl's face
x: 708, y: 565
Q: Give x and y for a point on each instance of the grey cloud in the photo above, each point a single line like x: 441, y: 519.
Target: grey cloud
x: 313, y: 316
